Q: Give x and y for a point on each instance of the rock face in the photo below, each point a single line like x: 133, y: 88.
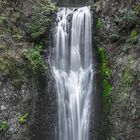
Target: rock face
x: 27, y: 96
x: 44, y: 113
x: 73, y: 3
x: 13, y: 104
x: 125, y: 108
x: 118, y: 28
x: 38, y: 100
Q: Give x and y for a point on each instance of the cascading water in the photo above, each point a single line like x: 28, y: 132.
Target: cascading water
x: 71, y: 63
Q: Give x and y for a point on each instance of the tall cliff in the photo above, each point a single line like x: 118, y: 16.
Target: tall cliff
x: 24, y: 74
x: 118, y: 40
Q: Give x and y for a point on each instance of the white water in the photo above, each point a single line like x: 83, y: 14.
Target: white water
x: 71, y: 64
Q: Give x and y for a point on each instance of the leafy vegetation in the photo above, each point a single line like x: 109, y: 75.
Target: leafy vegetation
x: 99, y: 24
x: 127, y: 17
x: 35, y: 58
x: 41, y: 19
x: 106, y: 75
x: 134, y: 33
x: 4, y: 126
x: 12, y: 68
x: 107, y: 88
x: 120, y: 36
x: 127, y: 73
x: 127, y: 79
x: 133, y: 38
x: 23, y: 118
x: 18, y: 56
x: 106, y: 71
x: 114, y: 36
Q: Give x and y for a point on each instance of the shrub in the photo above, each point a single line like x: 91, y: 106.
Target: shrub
x: 127, y: 18
x: 4, y: 126
x: 133, y: 38
x: 114, y: 37
x: 41, y: 19
x: 99, y: 24
x: 134, y: 33
x: 23, y: 118
x: 35, y: 58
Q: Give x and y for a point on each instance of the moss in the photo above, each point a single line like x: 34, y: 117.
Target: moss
x: 134, y: 33
x: 17, y: 34
x: 105, y: 70
x: 2, y: 18
x: 107, y: 88
x: 4, y: 66
x: 136, y: 8
x: 12, y: 68
x: 134, y: 37
x: 127, y: 77
x: 99, y: 24
x: 106, y: 74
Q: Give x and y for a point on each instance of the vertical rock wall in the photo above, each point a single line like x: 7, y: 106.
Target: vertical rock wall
x: 73, y: 3
x: 118, y: 31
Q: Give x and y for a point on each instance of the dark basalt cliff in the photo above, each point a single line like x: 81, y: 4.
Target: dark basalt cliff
x: 72, y: 3
x: 118, y: 32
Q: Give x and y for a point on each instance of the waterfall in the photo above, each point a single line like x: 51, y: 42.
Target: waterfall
x: 72, y: 68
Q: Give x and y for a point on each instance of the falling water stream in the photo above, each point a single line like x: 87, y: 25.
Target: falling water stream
x: 72, y: 67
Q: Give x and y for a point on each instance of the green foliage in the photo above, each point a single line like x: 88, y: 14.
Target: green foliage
x: 4, y: 126
x: 127, y: 15
x: 106, y: 75
x: 4, y: 64
x: 17, y: 76
x: 133, y: 38
x: 114, y: 36
x: 15, y: 16
x: 17, y: 34
x: 136, y: 8
x: 107, y: 88
x: 23, y: 118
x: 127, y: 19
x: 134, y: 33
x: 99, y: 24
x: 127, y: 78
x: 2, y: 18
x: 12, y: 68
x: 2, y: 47
x: 112, y: 138
x: 35, y: 58
x: 41, y: 19
x: 105, y: 70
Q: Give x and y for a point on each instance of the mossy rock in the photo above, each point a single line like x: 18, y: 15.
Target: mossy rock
x: 41, y: 20
x: 13, y: 69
